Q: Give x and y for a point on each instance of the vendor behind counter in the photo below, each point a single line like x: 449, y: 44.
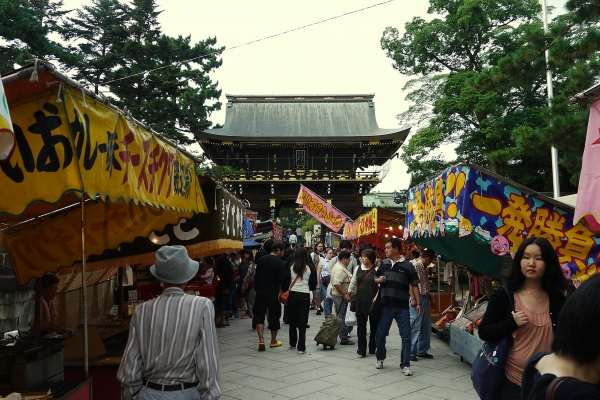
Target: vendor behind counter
x: 25, y: 324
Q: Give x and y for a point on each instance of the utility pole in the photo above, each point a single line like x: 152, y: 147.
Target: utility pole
x: 554, y: 150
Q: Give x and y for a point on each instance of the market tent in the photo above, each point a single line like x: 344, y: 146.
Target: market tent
x: 202, y: 234
x: 71, y: 146
x: 251, y: 244
x: 475, y: 217
x: 375, y: 227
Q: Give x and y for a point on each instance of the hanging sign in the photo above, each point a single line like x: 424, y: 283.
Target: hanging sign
x: 464, y: 201
x: 588, y: 206
x: 320, y: 209
x: 64, y: 144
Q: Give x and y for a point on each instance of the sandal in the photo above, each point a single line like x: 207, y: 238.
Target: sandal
x: 276, y: 344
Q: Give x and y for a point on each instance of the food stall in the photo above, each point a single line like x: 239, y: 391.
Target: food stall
x: 83, y: 176
x: 479, y: 219
x: 374, y: 227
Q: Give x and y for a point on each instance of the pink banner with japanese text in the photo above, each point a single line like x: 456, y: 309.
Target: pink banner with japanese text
x: 321, y: 209
x: 588, y: 206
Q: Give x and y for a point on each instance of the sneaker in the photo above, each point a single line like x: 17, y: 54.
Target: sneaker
x: 261, y: 346
x: 379, y: 364
x: 312, y: 308
x: 426, y: 355
x: 301, y: 352
x: 318, y: 312
x: 242, y: 308
x: 406, y: 371
x: 236, y: 315
x: 413, y: 358
x: 246, y: 316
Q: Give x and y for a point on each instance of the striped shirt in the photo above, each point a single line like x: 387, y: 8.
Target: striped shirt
x: 172, y: 339
x: 422, y: 272
x: 395, y: 291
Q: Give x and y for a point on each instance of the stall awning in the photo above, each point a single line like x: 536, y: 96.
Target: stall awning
x: 202, y: 234
x: 375, y: 227
x: 475, y: 217
x: 70, y: 144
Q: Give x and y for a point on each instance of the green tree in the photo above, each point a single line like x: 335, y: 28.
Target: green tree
x: 481, y: 83
x: 174, y: 96
x: 24, y: 29
x: 98, y: 29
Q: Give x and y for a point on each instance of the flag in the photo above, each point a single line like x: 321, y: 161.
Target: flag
x: 7, y: 136
x: 321, y: 209
x: 588, y: 204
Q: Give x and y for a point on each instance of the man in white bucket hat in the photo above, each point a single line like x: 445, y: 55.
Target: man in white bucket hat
x: 172, y: 350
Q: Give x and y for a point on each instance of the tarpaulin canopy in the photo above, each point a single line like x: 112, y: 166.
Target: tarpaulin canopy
x: 70, y: 144
x: 474, y: 217
x: 375, y: 227
x: 202, y: 234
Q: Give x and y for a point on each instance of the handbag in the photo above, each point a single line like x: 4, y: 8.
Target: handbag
x: 353, y: 302
x: 551, y: 390
x: 488, y: 369
x: 285, y: 296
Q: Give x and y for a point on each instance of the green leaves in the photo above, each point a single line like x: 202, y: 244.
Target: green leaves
x: 481, y: 84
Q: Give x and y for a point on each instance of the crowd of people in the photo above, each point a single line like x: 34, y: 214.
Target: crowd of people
x: 531, y: 308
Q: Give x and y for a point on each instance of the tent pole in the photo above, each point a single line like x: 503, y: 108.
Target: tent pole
x: 438, y: 285
x: 84, y: 289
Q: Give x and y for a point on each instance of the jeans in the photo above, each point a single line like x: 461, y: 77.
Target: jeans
x: 361, y: 329
x: 402, y: 317
x: 298, y: 306
x: 327, y: 306
x: 341, y: 306
x: 421, y: 328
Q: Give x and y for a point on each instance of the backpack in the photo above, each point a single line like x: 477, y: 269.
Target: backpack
x: 250, y: 275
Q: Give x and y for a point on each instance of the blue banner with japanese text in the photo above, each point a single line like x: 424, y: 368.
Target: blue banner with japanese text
x: 465, y: 201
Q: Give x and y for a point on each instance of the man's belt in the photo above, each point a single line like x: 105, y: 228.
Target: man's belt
x: 169, y: 388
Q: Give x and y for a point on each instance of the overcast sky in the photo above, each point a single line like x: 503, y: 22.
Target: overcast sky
x: 341, y: 56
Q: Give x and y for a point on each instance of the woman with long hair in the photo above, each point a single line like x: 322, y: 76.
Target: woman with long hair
x: 536, y: 281
x: 571, y: 357
x: 303, y: 278
x: 364, y: 289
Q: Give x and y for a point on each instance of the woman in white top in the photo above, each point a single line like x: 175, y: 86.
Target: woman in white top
x: 305, y: 277
x: 323, y: 272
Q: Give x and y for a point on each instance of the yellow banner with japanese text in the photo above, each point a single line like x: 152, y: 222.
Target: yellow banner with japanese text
x: 64, y: 144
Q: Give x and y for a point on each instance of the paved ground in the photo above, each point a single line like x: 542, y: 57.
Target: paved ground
x: 281, y: 373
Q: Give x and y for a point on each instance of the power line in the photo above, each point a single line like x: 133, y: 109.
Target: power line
x: 247, y: 43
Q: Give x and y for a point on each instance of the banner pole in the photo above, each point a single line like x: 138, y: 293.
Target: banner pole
x: 84, y: 289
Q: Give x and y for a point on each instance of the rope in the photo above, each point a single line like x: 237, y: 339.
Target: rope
x: 34, y: 74
x: 247, y: 43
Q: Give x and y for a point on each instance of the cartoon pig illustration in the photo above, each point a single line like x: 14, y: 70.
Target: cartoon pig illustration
x: 500, y: 245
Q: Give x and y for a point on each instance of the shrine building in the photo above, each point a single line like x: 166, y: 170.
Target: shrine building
x: 330, y: 144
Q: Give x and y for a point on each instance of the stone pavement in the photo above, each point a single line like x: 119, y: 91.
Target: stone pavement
x: 282, y: 373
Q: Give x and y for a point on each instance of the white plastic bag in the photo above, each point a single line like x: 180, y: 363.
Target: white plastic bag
x: 350, y: 319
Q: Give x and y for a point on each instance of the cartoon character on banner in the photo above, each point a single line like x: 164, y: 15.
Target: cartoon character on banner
x: 566, y: 271
x: 500, y: 245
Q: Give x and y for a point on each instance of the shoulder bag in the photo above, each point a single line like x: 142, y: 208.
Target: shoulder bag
x: 284, y: 297
x: 353, y: 302
x: 488, y: 369
x: 553, y: 386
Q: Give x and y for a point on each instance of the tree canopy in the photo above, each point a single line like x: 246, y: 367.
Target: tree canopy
x: 119, y: 49
x: 480, y: 84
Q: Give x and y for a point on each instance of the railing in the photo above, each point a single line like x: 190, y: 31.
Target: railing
x: 302, y: 175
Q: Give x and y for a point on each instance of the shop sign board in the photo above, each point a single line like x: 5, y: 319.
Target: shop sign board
x: 320, y: 209
x: 465, y: 201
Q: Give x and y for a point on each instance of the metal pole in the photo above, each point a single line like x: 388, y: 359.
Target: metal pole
x: 554, y: 150
x: 84, y: 289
